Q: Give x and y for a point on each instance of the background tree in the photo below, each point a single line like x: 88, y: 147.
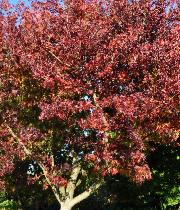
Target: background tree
x: 86, y: 88
x: 162, y: 192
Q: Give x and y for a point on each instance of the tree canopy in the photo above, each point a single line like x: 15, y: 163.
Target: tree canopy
x: 86, y: 89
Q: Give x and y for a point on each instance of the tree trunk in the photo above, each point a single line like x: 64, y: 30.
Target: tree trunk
x: 65, y: 207
x: 69, y: 203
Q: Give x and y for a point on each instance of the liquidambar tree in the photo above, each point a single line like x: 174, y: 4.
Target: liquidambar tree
x: 86, y: 89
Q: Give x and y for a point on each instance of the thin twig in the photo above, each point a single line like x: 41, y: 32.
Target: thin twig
x: 59, y: 60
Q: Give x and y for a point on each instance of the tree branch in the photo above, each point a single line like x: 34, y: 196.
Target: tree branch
x: 28, y: 153
x: 78, y: 182
x: 84, y: 195
x: 59, y: 60
x: 54, y: 189
x: 72, y: 183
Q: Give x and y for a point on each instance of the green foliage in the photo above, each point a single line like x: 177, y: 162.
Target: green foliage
x: 6, y: 204
x: 166, y: 178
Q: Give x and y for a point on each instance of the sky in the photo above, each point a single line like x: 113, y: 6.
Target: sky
x: 14, y: 1
x: 26, y: 1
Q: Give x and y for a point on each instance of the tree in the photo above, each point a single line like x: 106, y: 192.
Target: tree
x: 86, y: 87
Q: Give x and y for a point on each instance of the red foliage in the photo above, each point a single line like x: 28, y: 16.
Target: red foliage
x: 93, y: 76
